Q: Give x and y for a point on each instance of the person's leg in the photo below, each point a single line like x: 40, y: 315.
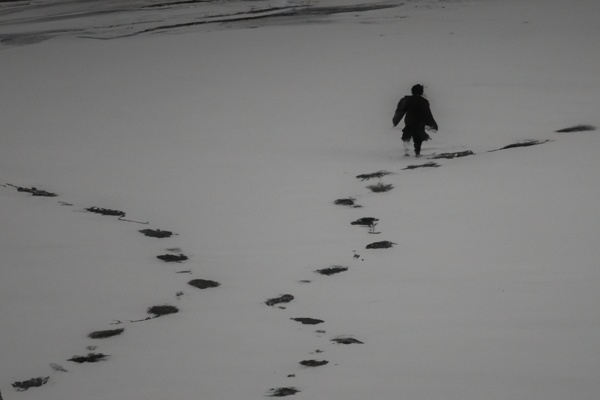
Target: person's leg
x: 417, y: 147
x: 406, y: 144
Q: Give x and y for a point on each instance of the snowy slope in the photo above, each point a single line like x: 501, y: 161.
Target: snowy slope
x: 239, y: 140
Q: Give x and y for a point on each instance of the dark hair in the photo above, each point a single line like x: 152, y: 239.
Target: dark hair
x: 417, y: 90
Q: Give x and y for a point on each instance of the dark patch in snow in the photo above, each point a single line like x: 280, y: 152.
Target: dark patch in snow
x: 33, y: 382
x: 452, y: 155
x: 380, y: 245
x: 203, y: 283
x: 308, y: 321
x: 90, y: 358
x: 105, y: 334
x: 578, y: 128
x: 286, y: 298
x: 426, y: 165
x: 332, y: 270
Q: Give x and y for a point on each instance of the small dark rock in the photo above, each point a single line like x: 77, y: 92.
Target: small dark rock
x: 286, y: 298
x: 105, y: 334
x: 91, y: 358
x: 33, y: 382
x: 157, y: 233
x: 203, y: 283
x: 332, y: 270
x: 283, y: 391
x: 313, y: 363
x: 380, y: 245
x: 162, y: 310
x: 172, y: 257
x: 346, y: 341
x: 308, y: 321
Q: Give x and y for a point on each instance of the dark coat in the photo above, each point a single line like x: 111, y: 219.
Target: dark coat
x: 417, y: 115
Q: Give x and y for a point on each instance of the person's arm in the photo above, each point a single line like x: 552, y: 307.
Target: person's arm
x: 400, y: 111
x: 430, y: 120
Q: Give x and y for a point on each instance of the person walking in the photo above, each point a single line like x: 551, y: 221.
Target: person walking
x: 417, y: 115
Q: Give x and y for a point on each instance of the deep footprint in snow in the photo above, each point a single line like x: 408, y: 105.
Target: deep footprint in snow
x: 380, y: 245
x: 426, y: 165
x: 525, y: 143
x: 90, y: 358
x: 172, y: 258
x: 346, y: 340
x: 33, y: 382
x: 452, y: 155
x: 308, y: 321
x: 286, y: 298
x: 105, y: 334
x: 203, y: 283
x: 156, y: 233
x: 348, y: 201
x: 378, y: 174
x: 283, y: 391
x: 577, y: 128
x: 313, y: 363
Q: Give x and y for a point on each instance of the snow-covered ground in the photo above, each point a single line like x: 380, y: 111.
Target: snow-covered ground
x: 239, y: 136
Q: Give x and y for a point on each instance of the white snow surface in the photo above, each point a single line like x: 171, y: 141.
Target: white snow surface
x: 239, y: 137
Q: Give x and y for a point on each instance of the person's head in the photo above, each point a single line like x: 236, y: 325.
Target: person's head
x: 417, y: 90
